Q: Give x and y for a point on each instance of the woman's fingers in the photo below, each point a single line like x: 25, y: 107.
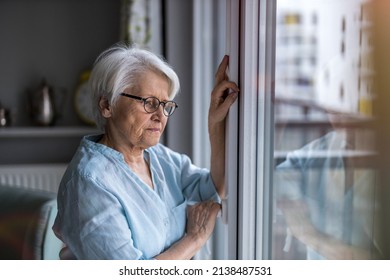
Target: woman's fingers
x: 219, y: 111
x: 215, y: 207
x: 221, y: 71
x: 221, y: 101
x: 220, y: 89
x: 201, y: 217
x: 202, y: 210
x: 223, y: 94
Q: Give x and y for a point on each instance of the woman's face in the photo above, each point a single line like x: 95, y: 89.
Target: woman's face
x: 128, y: 122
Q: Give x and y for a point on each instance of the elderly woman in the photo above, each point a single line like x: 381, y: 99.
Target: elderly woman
x: 125, y: 195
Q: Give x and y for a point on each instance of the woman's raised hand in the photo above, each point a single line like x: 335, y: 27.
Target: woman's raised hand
x: 223, y: 95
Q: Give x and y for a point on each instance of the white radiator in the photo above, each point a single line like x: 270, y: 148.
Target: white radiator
x: 45, y: 177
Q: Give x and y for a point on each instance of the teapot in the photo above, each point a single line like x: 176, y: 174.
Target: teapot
x: 4, y: 116
x: 42, y: 105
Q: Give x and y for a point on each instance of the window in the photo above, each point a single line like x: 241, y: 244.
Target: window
x: 302, y: 182
x: 306, y: 176
x: 325, y: 183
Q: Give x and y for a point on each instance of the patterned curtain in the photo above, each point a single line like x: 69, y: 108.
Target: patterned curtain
x: 136, y: 25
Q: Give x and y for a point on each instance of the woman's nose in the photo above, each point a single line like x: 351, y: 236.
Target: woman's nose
x: 160, y: 111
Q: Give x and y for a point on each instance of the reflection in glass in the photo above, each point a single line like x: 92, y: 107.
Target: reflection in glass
x: 325, y: 179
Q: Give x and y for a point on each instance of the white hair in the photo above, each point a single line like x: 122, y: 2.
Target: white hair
x: 119, y: 68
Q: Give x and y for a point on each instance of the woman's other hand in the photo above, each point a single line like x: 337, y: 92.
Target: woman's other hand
x: 201, y: 219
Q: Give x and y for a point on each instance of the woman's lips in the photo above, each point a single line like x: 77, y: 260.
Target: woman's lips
x: 154, y: 129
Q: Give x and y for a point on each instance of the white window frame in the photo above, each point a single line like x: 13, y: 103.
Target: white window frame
x: 248, y: 128
x: 265, y: 139
x: 229, y: 205
x: 255, y: 126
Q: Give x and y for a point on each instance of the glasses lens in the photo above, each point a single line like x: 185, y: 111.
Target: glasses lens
x: 169, y: 108
x: 151, y: 104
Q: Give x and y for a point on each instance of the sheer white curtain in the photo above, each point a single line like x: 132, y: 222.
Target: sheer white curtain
x: 210, y: 45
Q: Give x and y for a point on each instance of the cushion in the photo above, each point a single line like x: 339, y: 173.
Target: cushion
x: 26, y: 217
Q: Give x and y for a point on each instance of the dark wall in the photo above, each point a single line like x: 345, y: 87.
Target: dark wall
x: 52, y: 39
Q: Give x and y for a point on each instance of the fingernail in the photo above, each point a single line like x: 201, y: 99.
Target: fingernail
x: 234, y: 94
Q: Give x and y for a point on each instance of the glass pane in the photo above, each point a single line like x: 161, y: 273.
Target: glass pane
x: 324, y: 175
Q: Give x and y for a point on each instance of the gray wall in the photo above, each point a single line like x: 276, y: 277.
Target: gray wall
x: 55, y: 39
x: 179, y: 52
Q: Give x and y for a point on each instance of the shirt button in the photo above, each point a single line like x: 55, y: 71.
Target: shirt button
x: 166, y: 222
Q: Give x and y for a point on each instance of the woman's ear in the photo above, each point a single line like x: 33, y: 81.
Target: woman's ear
x: 105, y: 108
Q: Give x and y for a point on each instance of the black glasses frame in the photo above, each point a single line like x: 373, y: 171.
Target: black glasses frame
x: 164, y: 103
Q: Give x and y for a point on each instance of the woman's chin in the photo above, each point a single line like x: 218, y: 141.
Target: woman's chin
x: 152, y: 141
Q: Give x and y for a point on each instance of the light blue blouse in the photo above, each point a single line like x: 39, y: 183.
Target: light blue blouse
x: 105, y: 211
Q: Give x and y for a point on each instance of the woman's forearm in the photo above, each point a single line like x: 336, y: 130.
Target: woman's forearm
x: 217, y: 165
x: 220, y: 103
x: 184, y: 249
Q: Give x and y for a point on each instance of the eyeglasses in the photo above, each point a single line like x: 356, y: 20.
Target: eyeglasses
x: 151, y: 104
